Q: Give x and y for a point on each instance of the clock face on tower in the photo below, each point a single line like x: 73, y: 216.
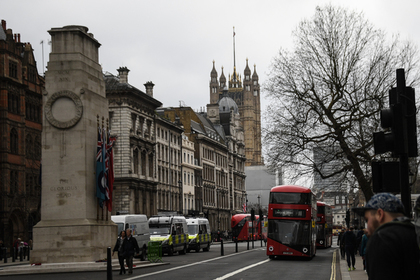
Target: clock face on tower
x: 63, y: 109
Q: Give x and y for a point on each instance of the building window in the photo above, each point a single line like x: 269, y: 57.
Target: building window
x: 151, y: 165
x: 13, y: 102
x: 13, y: 73
x: 136, y: 161
x: 14, y: 182
x: 14, y: 141
x: 143, y: 163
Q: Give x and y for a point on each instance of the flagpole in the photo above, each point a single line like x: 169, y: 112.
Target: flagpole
x: 234, y: 58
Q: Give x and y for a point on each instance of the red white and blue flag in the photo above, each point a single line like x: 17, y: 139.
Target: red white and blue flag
x: 100, y: 168
x: 244, y: 207
x: 109, y: 165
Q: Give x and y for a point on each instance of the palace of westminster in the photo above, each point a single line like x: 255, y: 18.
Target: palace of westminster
x: 166, y: 159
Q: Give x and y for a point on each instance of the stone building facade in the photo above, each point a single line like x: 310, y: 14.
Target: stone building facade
x: 168, y: 154
x: 246, y: 95
x: 21, y: 124
x: 132, y: 120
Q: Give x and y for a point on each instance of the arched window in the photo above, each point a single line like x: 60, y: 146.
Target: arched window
x: 14, y: 141
x: 136, y: 161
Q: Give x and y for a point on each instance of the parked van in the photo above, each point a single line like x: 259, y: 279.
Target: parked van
x: 139, y: 227
x: 171, y: 231
x: 199, y: 234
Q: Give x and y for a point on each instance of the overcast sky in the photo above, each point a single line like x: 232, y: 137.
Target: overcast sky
x: 173, y: 43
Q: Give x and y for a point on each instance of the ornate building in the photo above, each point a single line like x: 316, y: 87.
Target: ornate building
x: 132, y: 120
x: 21, y: 125
x: 246, y: 94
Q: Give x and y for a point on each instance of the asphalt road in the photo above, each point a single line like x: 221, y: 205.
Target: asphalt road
x: 246, y: 264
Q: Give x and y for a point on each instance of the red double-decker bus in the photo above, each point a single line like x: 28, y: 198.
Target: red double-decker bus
x: 244, y: 229
x: 291, y: 222
x: 324, y: 225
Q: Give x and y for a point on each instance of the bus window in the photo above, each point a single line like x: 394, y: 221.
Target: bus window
x: 290, y: 198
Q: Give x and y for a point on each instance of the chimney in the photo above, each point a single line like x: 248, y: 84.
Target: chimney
x: 18, y: 37
x: 149, y: 88
x: 3, y: 24
x: 15, y: 37
x: 123, y: 74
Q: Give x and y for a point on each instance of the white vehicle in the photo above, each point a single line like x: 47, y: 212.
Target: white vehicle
x: 171, y: 232
x: 139, y: 227
x: 199, y: 234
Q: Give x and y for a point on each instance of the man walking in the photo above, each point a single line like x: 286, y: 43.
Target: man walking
x: 392, y: 251
x: 130, y: 246
x: 349, y: 239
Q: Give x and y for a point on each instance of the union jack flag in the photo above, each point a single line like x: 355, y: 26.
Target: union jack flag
x: 244, y: 207
x: 100, y: 168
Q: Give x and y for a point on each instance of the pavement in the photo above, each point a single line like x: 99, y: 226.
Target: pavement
x: 358, y: 274
x: 25, y: 267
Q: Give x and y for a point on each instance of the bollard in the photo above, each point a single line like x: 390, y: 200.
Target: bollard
x: 252, y: 242
x: 21, y: 254
x: 236, y: 245
x: 5, y: 254
x: 108, y: 264
x: 29, y: 253
x: 247, y: 244
x: 13, y: 254
x: 222, y: 253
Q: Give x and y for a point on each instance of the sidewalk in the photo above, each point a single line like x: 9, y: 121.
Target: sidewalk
x: 24, y: 267
x: 358, y: 274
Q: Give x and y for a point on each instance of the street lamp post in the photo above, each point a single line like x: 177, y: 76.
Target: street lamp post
x: 181, y: 194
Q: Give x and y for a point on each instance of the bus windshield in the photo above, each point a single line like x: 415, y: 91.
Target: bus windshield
x: 159, y: 229
x: 289, y: 232
x: 192, y: 229
x: 290, y: 198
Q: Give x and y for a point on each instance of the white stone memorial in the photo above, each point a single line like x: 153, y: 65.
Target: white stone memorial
x: 72, y: 227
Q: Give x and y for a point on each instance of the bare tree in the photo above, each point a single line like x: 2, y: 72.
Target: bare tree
x: 327, y: 93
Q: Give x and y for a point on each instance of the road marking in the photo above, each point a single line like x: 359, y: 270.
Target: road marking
x: 240, y: 270
x: 333, y: 266
x: 187, y: 265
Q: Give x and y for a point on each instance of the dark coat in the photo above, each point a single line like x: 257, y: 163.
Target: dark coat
x: 117, y: 246
x: 349, y: 239
x: 392, y: 252
x: 130, y: 246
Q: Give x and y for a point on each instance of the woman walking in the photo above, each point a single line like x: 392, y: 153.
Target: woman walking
x: 120, y: 249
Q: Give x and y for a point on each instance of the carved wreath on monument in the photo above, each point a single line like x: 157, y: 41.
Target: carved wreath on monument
x: 77, y: 114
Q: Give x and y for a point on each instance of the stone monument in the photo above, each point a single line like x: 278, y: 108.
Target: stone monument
x: 72, y: 228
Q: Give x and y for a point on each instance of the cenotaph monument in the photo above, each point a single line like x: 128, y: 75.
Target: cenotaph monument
x: 72, y: 228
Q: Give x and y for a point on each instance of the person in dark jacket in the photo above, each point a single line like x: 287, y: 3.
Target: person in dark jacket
x: 340, y: 243
x: 119, y: 247
x: 130, y: 247
x: 363, y: 248
x: 392, y: 251
x: 350, y: 244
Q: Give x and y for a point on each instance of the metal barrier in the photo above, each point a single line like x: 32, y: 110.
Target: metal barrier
x: 154, y: 251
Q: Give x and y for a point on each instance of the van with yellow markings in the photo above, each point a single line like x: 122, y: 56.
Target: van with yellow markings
x: 199, y: 234
x: 171, y: 232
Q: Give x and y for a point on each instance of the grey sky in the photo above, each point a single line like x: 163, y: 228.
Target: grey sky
x: 173, y: 43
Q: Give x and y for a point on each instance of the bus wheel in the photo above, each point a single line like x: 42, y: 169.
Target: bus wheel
x: 272, y: 257
x: 184, y: 251
x: 171, y: 251
x: 197, y: 249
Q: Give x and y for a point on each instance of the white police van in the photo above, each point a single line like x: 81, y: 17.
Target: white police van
x: 199, y: 234
x: 171, y: 232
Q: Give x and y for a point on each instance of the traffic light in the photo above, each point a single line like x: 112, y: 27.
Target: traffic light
x: 399, y: 122
x: 347, y: 218
x: 252, y: 214
x: 261, y: 214
x: 390, y: 140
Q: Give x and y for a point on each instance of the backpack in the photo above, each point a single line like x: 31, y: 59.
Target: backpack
x: 416, y: 220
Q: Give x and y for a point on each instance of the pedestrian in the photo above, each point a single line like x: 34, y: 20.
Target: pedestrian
x: 350, y: 244
x: 120, y: 249
x: 392, y: 251
x: 130, y: 247
x: 341, y: 243
x: 359, y: 236
x: 363, y: 248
